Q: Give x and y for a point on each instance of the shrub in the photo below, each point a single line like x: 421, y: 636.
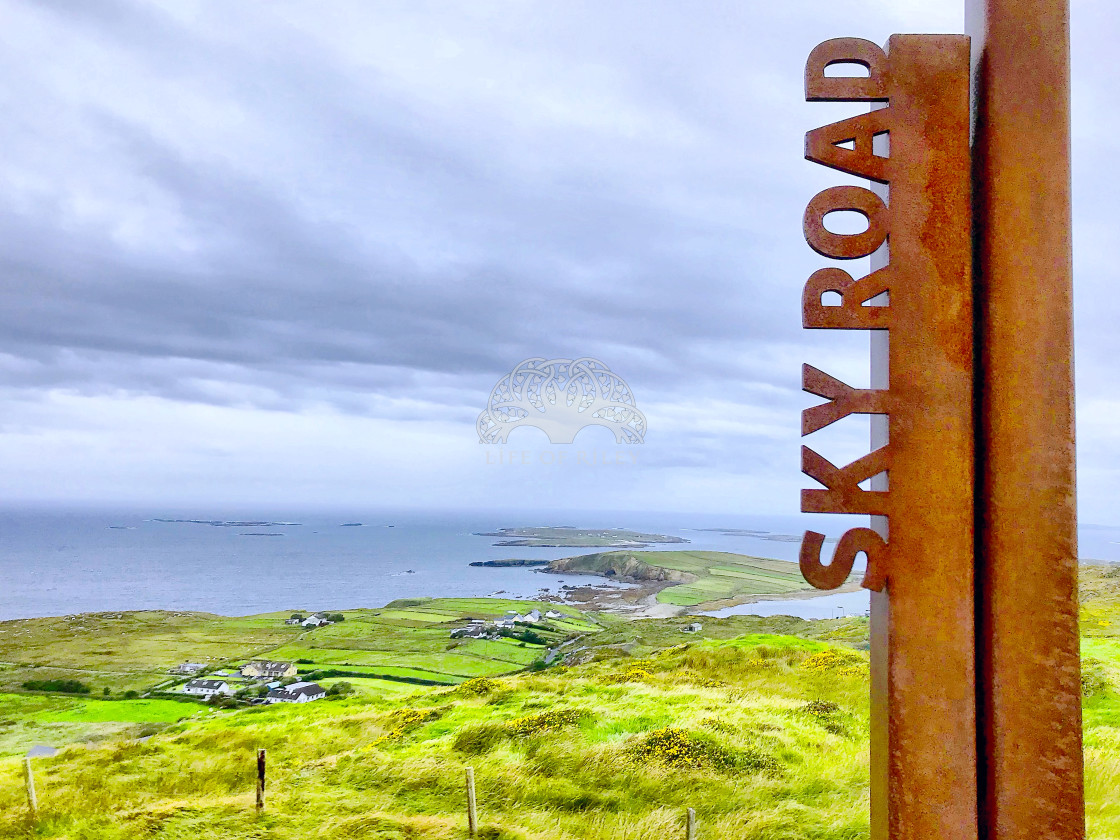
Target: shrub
x: 530, y: 725
x: 403, y: 721
x: 826, y: 714
x: 678, y: 748
x: 833, y: 660
x: 67, y: 686
x: 340, y: 689
x: 1093, y: 677
x: 479, y: 685
x: 634, y: 673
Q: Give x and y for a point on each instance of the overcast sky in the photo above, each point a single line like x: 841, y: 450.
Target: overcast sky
x: 276, y: 254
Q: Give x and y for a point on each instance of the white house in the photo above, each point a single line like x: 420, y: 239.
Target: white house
x: 553, y: 614
x: 531, y: 617
x: 207, y: 688
x: 300, y: 692
x: 316, y: 620
x: 264, y: 669
x: 188, y: 668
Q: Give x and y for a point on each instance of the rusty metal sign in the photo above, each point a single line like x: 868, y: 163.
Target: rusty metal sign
x: 914, y: 142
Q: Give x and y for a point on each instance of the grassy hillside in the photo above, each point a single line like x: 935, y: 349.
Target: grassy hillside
x: 765, y: 736
x: 760, y: 724
x: 705, y: 579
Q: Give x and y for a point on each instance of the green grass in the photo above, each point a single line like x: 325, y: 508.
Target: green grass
x: 774, y: 748
x: 350, y: 768
x: 133, y: 651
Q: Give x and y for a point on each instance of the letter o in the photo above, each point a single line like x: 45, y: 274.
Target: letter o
x: 846, y: 246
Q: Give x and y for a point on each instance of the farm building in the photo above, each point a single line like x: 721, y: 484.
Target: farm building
x: 264, y: 669
x: 300, y: 692
x: 207, y: 688
x: 188, y: 668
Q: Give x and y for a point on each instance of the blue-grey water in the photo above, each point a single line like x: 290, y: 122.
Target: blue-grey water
x: 838, y: 605
x: 58, y: 562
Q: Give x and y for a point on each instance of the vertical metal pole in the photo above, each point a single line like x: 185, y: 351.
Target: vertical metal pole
x: 472, y: 812
x: 691, y: 830
x: 260, y: 780
x: 29, y: 777
x: 1030, y: 703
x: 923, y: 650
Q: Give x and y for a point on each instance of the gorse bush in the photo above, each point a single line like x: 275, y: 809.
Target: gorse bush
x: 845, y: 663
x: 547, y: 722
x: 679, y: 748
x: 481, y: 738
x: 403, y: 721
x: 479, y: 686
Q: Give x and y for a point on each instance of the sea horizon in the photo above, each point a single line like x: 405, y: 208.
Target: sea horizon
x: 61, y: 560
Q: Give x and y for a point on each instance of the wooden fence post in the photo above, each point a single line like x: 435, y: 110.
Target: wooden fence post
x: 472, y: 813
x: 691, y: 824
x: 32, y: 801
x: 260, y: 780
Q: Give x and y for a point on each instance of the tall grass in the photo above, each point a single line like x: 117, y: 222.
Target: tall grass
x: 776, y: 734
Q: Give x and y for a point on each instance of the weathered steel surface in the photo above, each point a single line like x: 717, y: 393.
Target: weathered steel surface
x: 923, y: 648
x: 1030, y: 696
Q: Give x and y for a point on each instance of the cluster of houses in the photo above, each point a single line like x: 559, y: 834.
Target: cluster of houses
x: 256, y: 672
x: 479, y: 629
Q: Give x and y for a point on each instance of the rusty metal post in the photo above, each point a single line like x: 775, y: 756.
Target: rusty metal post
x: 924, y: 780
x: 1029, y: 696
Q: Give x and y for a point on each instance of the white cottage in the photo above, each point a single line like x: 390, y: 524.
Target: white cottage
x: 207, y: 688
x: 300, y: 692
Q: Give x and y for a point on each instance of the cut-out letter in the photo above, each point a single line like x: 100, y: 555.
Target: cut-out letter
x: 822, y: 145
x: 845, y: 246
x: 836, y: 572
x: 850, y: 314
x: 844, y: 495
x: 842, y: 400
x: 822, y: 88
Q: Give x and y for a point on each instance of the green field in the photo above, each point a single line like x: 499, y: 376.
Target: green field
x: 403, y: 644
x: 760, y: 724
x: 705, y: 579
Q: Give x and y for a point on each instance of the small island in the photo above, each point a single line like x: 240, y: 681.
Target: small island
x: 511, y: 563
x: 566, y: 536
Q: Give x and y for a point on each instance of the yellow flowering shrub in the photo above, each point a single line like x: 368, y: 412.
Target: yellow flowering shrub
x: 679, y: 748
x: 404, y: 720
x: 479, y: 685
x: 525, y: 727
x: 835, y: 659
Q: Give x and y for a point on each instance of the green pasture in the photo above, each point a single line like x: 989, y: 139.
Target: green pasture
x: 135, y: 650
x: 708, y: 578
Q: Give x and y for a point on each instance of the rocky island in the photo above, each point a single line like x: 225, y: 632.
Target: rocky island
x: 566, y: 536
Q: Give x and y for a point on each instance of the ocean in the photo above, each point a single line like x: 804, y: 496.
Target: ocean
x: 59, y: 562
